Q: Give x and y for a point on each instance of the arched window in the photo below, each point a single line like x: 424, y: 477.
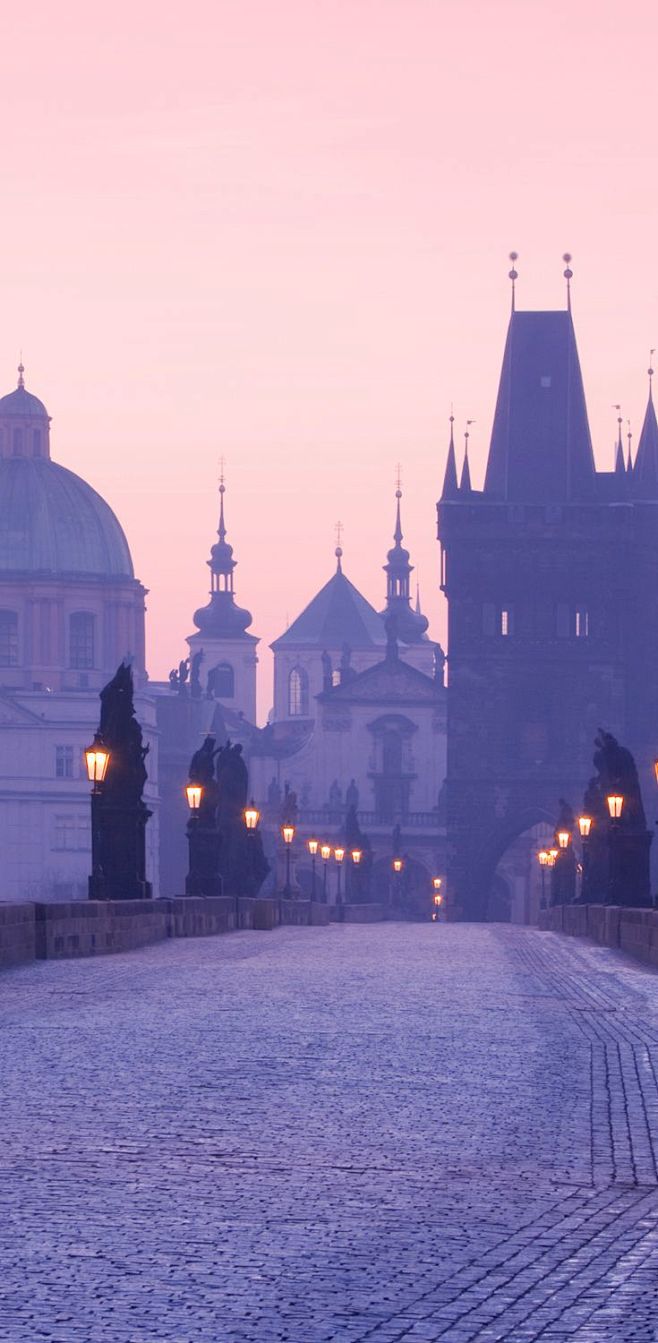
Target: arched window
x: 81, y: 640
x: 8, y: 639
x: 221, y: 681
x: 297, y: 693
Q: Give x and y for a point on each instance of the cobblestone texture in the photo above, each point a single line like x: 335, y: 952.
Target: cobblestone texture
x: 381, y: 1133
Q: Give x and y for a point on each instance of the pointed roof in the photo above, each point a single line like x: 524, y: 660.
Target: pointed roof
x: 450, y: 487
x: 645, y: 471
x: 222, y: 618
x: 411, y: 625
x: 541, y: 450
x: 338, y: 614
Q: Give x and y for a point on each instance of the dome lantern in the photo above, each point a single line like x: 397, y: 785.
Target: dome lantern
x: 24, y: 423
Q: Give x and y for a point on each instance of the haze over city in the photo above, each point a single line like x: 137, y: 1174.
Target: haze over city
x: 278, y: 234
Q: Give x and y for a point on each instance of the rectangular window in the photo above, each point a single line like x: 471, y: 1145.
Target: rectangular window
x: 63, y: 762
x: 582, y: 624
x: 8, y: 639
x: 81, y: 640
x: 505, y: 622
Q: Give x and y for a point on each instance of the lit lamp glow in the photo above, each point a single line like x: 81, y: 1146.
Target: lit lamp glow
x: 552, y: 855
x: 436, y: 882
x: 563, y: 838
x: 655, y: 769
x: 356, y: 856
x: 313, y: 847
x: 615, y: 803
x: 543, y: 858
x: 97, y: 758
x: 194, y: 793
x: 397, y: 864
x: 288, y: 832
x: 339, y: 854
x: 251, y: 816
x: 325, y: 850
x: 584, y: 825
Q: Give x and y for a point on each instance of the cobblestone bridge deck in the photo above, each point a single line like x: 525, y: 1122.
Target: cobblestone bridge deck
x: 360, y: 1134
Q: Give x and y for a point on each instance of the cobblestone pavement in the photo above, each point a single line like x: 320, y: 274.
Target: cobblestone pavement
x: 360, y: 1134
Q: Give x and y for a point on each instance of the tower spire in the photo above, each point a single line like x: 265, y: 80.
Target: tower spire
x: 568, y: 275
x: 620, y: 468
x: 450, y: 489
x: 629, y: 459
x: 645, y: 469
x: 465, y: 485
x: 221, y: 531
x: 514, y: 275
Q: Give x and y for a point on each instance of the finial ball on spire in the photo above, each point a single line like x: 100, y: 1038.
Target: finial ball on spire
x: 21, y: 370
x: 514, y: 274
x: 568, y: 273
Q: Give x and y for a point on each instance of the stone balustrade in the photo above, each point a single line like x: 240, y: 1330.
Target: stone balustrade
x: 634, y: 931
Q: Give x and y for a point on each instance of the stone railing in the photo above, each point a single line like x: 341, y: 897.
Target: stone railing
x: 634, y: 931
x: 97, y: 927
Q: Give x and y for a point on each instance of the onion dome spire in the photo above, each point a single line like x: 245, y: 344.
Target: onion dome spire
x: 410, y: 625
x: 222, y: 618
x: 450, y: 487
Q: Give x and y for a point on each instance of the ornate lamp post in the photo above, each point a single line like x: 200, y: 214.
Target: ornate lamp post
x: 97, y: 759
x: 288, y: 833
x: 325, y: 850
x: 397, y: 866
x: 615, y: 803
x: 339, y: 854
x: 543, y: 858
x: 193, y: 880
x: 437, y: 898
x: 312, y: 845
x: 584, y: 827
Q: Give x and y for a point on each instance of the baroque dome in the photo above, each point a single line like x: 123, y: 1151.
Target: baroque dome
x: 52, y: 522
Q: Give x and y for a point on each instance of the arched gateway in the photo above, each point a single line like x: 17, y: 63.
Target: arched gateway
x: 550, y: 574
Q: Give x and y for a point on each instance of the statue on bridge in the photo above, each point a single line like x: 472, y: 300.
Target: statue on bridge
x: 616, y: 854
x: 119, y: 813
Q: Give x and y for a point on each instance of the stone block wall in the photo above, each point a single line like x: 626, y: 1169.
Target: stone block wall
x: 96, y: 927
x: 17, y: 934
x: 634, y: 931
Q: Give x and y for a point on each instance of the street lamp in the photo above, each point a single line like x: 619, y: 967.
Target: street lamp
x: 544, y: 860
x: 563, y: 839
x: 397, y: 865
x: 194, y: 793
x: 288, y: 832
x: 313, y: 850
x: 584, y: 826
x: 356, y: 856
x: 97, y: 759
x: 325, y: 853
x: 615, y: 803
x: 339, y: 854
x: 251, y: 817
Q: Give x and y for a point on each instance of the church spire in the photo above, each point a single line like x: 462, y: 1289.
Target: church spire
x: 645, y: 470
x: 450, y: 487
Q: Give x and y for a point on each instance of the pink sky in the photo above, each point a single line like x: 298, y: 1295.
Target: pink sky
x: 277, y: 230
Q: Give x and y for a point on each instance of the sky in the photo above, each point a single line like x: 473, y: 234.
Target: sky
x: 277, y: 232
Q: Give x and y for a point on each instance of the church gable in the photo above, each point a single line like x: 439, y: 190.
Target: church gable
x: 389, y: 682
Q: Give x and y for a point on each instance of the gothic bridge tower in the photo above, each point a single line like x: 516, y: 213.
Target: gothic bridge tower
x: 551, y: 576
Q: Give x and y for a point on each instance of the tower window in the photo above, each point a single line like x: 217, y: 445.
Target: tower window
x: 297, y: 693
x: 81, y: 640
x: 505, y: 622
x: 221, y: 681
x: 582, y: 624
x: 8, y: 639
